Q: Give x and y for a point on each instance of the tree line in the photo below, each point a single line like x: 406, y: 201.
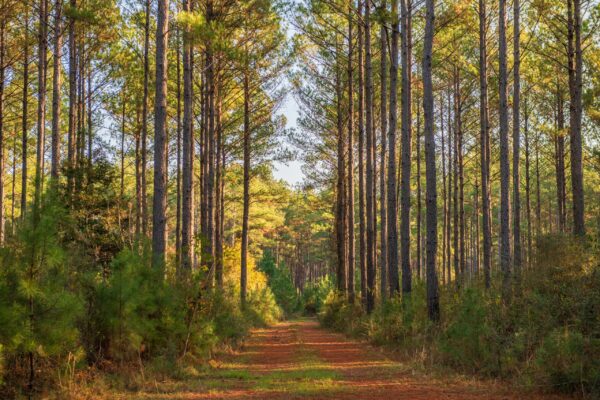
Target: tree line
x: 482, y: 95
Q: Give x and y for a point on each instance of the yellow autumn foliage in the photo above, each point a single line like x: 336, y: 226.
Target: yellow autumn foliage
x: 257, y: 280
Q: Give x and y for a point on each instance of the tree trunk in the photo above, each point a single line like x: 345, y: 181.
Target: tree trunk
x: 406, y: 35
x: 504, y: 156
x: 575, y: 112
x: 219, y: 215
x: 187, y: 198
x: 527, y: 181
x: 461, y: 175
x: 72, y: 134
x: 450, y: 192
x: 122, y: 166
x: 89, y: 117
x: 455, y: 225
x: 13, y: 197
x: 56, y: 85
x: 246, y: 211
x: 433, y: 305
x: 361, y: 161
x: 145, y: 118
x: 25, y: 106
x: 209, y: 254
x: 444, y: 193
x: 484, y: 144
x: 559, y: 164
x: 80, y: 133
x: 383, y: 131
x: 516, y: 139
x: 138, y: 177
x: 392, y: 202
x: 159, y: 206
x: 2, y: 139
x: 538, y: 204
x: 340, y: 189
x: 178, y: 157
x: 41, y: 110
x: 350, y: 181
x: 370, y: 177
x: 419, y: 203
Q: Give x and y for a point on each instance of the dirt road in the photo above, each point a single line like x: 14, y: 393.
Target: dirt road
x: 300, y: 360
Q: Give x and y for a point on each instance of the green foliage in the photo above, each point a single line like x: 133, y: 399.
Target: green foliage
x: 547, y: 335
x: 262, y: 308
x: 315, y: 294
x: 400, y: 321
x: 466, y: 341
x: 338, y: 314
x: 280, y: 283
x: 565, y: 361
x: 38, y: 306
x: 135, y: 312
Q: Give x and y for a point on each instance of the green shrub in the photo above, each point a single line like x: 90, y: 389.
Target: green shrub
x: 467, y: 341
x: 280, y: 284
x: 315, y: 294
x: 565, y: 361
x: 38, y: 307
x: 338, y: 314
x: 261, y: 307
x: 546, y: 335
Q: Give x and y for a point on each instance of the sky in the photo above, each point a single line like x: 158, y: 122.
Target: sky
x: 292, y: 171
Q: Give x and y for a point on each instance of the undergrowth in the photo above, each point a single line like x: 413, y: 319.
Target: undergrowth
x: 547, y: 336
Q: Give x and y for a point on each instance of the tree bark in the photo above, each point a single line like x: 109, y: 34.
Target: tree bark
x: 419, y: 203
x: 461, y: 174
x: 559, y: 163
x: 209, y: 253
x: 444, y: 193
x: 144, y: 140
x: 527, y: 181
x: 178, y: 157
x: 361, y: 161
x: 382, y: 163
x: 350, y: 150
x: 138, y: 178
x: 538, y: 203
x: 2, y: 139
x: 90, y: 131
x: 24, y: 122
x: 516, y: 138
x: 56, y: 86
x: 219, y: 176
x: 340, y: 189
x: 392, y: 202
x: 575, y: 112
x: 370, y: 177
x: 159, y: 205
x: 455, y: 198
x: 246, y: 210
x: 41, y: 110
x: 433, y: 305
x: 450, y: 192
x: 484, y: 144
x: 406, y: 39
x: 122, y: 156
x: 187, y: 198
x: 505, y: 258
x: 72, y: 135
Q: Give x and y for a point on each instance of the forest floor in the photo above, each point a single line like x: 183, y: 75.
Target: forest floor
x: 300, y: 360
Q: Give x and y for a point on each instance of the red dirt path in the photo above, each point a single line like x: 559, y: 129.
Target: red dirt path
x: 300, y: 360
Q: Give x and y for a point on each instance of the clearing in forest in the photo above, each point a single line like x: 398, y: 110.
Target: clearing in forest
x: 300, y: 360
